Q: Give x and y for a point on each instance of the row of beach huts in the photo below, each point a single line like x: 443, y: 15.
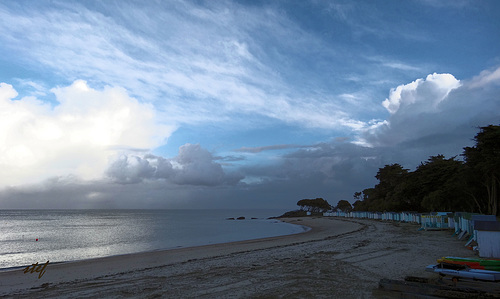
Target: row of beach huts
x: 481, y: 232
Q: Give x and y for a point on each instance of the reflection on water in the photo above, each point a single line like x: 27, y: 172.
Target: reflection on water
x: 65, y: 235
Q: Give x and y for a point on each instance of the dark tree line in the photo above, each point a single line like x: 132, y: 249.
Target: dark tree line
x: 343, y: 205
x: 317, y: 205
x: 440, y: 184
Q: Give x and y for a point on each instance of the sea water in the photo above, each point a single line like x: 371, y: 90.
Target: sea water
x: 30, y: 236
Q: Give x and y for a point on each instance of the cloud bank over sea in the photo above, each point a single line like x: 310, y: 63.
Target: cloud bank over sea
x: 227, y: 104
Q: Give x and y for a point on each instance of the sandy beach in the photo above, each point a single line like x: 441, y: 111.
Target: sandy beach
x: 337, y: 258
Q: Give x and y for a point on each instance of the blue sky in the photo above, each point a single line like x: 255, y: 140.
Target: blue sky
x: 182, y: 104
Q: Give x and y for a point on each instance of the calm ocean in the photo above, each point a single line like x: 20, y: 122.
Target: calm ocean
x: 68, y: 235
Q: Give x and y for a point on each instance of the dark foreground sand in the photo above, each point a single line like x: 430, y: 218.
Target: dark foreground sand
x: 338, y: 258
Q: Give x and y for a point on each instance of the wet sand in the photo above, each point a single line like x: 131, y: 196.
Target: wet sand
x: 336, y: 258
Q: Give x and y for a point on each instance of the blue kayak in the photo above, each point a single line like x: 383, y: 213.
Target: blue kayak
x: 465, y: 273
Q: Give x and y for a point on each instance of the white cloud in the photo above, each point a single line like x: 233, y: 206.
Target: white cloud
x: 108, y: 118
x: 393, y: 64
x: 196, y: 66
x: 77, y: 136
x: 425, y: 93
x: 435, y: 110
x: 486, y: 77
x: 7, y: 92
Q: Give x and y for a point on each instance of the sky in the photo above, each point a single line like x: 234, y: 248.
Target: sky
x: 235, y: 104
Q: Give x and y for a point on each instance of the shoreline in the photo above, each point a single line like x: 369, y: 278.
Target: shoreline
x: 348, y: 254
x: 303, y: 229
x: 60, y: 272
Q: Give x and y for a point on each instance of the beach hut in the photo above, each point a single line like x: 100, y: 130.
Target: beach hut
x: 437, y: 220
x: 397, y: 216
x: 469, y: 227
x: 477, y: 218
x: 488, y: 238
x: 408, y: 217
x: 456, y: 220
x: 464, y: 221
x: 388, y: 216
x: 451, y: 221
x: 428, y: 221
x: 418, y: 218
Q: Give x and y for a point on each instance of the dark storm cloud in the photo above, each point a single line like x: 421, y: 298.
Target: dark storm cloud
x: 193, y: 166
x: 436, y: 115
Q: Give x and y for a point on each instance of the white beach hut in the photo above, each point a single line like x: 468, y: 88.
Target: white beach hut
x: 488, y: 238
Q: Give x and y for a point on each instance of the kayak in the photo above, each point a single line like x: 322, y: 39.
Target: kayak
x: 465, y: 273
x: 489, y: 262
x: 481, y: 264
